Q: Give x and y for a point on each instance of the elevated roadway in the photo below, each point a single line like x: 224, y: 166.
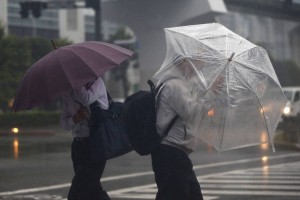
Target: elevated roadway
x: 147, y: 18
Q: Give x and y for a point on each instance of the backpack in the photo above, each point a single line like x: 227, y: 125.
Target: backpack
x: 140, y: 119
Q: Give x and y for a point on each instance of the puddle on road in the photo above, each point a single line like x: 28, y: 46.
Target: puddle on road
x: 19, y: 146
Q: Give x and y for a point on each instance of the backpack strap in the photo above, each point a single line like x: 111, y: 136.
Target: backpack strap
x: 165, y: 133
x: 154, y: 88
x: 151, y: 84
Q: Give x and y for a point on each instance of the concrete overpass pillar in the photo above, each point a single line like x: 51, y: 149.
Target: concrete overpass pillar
x: 147, y: 18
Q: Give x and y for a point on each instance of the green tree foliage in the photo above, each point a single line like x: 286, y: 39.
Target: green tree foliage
x: 17, y: 54
x: 1, y: 30
x: 40, y: 46
x: 120, y: 34
x: 14, y: 60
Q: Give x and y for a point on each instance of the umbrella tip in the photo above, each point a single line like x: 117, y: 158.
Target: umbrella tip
x: 229, y: 59
x: 53, y: 44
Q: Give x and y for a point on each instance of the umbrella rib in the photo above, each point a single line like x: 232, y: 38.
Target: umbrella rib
x: 245, y: 49
x: 47, y: 85
x: 223, y: 130
x: 242, y: 40
x: 70, y: 50
x: 98, y: 53
x: 217, y: 76
x: 63, y: 68
x: 226, y: 98
x: 113, y: 47
x: 224, y: 121
x: 248, y: 67
x: 208, y: 49
x: 265, y: 120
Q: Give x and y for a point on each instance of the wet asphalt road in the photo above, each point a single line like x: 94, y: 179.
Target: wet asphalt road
x: 39, y: 167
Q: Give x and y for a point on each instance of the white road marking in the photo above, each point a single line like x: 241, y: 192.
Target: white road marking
x: 267, y: 176
x: 244, y: 161
x: 133, y: 175
x: 261, y: 172
x: 250, y: 181
x: 252, y: 186
x: 260, y: 187
x: 59, y: 186
x: 248, y: 192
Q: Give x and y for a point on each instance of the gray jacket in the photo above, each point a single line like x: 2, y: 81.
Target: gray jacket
x: 175, y: 99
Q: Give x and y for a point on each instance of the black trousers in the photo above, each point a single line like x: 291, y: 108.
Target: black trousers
x: 86, y: 182
x: 174, y: 175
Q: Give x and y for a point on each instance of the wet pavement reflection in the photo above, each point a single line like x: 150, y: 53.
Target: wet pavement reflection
x: 16, y: 146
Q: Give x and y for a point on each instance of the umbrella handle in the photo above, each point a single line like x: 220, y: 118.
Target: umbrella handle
x: 53, y: 44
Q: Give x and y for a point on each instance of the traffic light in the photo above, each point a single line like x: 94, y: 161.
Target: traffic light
x: 36, y: 9
x: 35, y: 6
x: 25, y: 6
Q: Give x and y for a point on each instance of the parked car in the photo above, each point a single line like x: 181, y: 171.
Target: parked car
x: 292, y: 108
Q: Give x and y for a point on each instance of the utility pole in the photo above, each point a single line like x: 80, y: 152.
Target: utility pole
x: 98, y: 20
x: 96, y: 5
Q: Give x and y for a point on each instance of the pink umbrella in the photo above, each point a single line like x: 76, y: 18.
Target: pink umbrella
x: 66, y: 68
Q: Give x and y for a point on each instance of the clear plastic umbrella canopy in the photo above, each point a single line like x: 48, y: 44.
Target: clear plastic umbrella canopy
x: 235, y: 76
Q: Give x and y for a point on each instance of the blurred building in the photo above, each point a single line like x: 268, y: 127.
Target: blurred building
x: 46, y: 26
x: 148, y: 18
x: 60, y: 20
x: 271, y: 24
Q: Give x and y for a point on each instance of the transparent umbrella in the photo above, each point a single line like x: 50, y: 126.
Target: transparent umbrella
x: 235, y: 76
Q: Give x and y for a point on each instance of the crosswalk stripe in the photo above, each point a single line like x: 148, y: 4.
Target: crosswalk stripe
x: 247, y: 186
x: 250, y: 181
x: 152, y: 196
x: 297, y: 173
x: 135, y: 196
x: 267, y: 176
x: 250, y: 192
x: 242, y: 179
x: 275, y: 180
x: 213, y: 184
x: 243, y: 161
x: 134, y: 175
